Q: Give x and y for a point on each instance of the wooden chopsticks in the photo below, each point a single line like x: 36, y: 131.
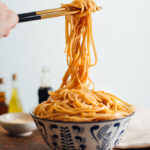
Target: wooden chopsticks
x: 44, y: 14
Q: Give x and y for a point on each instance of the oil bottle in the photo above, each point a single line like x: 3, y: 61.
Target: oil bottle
x: 3, y: 105
x: 15, y: 104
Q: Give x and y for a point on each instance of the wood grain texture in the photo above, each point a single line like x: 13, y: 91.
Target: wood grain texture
x: 33, y: 142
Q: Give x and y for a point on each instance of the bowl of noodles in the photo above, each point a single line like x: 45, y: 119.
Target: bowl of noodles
x: 76, y: 116
x: 66, y: 135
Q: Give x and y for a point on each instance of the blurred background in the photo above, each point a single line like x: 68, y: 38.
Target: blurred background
x: 122, y: 38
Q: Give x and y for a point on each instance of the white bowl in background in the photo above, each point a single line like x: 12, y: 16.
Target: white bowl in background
x: 20, y: 124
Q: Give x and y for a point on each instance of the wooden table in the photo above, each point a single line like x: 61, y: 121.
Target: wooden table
x: 33, y: 142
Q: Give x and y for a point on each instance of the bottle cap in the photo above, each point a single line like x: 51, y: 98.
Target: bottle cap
x: 45, y: 77
x: 45, y: 69
x: 14, y: 77
x: 1, y: 80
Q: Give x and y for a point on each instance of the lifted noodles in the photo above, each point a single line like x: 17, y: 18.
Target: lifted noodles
x: 74, y: 101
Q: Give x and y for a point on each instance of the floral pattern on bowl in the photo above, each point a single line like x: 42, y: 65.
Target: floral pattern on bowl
x: 102, y: 135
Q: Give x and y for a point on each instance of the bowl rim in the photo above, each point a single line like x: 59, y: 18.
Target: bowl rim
x: 12, y: 123
x: 77, y: 122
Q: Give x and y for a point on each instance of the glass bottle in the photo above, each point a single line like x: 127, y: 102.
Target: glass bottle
x: 3, y: 105
x: 15, y: 104
x: 45, y: 85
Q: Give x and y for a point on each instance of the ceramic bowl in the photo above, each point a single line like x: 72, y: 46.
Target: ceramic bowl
x: 20, y: 124
x: 102, y: 135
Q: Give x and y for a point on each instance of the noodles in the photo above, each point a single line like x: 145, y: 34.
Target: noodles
x: 74, y: 101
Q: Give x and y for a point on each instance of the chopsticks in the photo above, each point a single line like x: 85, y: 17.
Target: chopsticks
x: 45, y: 14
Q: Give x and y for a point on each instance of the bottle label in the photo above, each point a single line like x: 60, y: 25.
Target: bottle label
x: 2, y: 96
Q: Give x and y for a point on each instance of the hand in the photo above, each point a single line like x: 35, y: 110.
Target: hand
x: 8, y: 20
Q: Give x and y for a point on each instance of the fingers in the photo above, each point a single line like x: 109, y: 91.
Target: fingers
x: 7, y: 34
x: 8, y: 20
x: 12, y: 19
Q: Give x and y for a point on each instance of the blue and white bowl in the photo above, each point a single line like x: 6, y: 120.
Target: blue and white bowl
x: 102, y: 135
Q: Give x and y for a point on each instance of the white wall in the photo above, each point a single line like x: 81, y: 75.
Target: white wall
x: 122, y: 38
